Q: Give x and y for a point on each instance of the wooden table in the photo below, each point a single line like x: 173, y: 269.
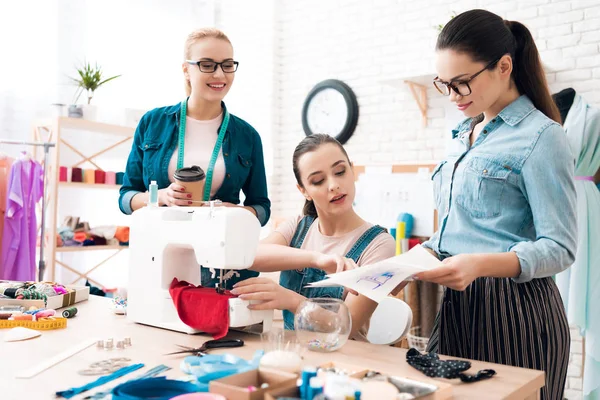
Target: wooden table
x: 96, y: 320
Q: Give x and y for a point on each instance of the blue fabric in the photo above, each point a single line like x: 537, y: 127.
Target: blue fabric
x: 296, y: 280
x: 155, y: 140
x: 211, y: 367
x: 513, y: 190
x: 152, y: 388
x: 580, y: 285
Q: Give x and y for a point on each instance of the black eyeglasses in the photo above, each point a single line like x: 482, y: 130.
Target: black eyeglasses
x: 228, y: 66
x: 460, y: 87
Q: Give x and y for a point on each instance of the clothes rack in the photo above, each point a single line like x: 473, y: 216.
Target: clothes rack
x: 47, y: 146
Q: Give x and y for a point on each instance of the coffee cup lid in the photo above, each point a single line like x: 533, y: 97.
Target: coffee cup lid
x: 189, y: 174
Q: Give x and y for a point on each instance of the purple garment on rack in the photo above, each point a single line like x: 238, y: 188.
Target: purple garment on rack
x: 25, y: 189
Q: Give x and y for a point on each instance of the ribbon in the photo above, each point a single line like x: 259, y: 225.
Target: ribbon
x: 67, y: 394
x: 584, y: 178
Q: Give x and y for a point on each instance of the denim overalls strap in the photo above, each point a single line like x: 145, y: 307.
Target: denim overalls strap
x: 296, y: 279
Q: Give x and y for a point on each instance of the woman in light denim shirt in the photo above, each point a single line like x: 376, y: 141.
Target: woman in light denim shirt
x: 199, y: 131
x: 506, y: 202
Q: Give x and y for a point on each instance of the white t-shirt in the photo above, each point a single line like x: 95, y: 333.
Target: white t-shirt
x: 200, y: 140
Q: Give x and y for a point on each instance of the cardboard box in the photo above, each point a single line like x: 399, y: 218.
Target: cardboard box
x: 351, y: 370
x: 76, y: 294
x: 290, y: 390
x: 236, y: 387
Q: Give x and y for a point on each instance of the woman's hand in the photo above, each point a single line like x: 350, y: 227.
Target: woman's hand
x: 332, y: 263
x: 272, y: 295
x: 174, y: 195
x: 456, y: 272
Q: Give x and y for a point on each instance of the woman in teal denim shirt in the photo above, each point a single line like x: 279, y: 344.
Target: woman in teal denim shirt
x: 505, y: 196
x: 209, y: 73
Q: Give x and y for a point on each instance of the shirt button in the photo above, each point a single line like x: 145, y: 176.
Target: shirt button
x: 228, y: 175
x: 485, y: 171
x: 146, y: 146
x: 226, y: 154
x: 494, y: 120
x: 485, y: 131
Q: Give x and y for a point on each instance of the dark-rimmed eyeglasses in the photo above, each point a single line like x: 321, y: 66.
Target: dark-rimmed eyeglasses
x: 206, y: 66
x: 460, y: 86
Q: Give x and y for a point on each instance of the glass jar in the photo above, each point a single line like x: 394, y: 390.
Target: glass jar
x: 322, y: 324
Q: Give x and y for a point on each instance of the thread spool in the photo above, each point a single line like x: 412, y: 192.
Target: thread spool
x: 62, y: 174
x: 76, y: 175
x: 110, y: 178
x: 69, y: 312
x: 99, y: 176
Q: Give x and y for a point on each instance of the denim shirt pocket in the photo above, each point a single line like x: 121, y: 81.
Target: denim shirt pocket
x: 245, y: 164
x: 150, y: 158
x: 484, y: 184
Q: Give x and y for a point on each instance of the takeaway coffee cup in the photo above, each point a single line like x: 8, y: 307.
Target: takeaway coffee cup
x: 192, y: 179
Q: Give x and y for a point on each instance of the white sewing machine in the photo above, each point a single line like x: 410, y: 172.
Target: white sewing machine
x: 173, y: 242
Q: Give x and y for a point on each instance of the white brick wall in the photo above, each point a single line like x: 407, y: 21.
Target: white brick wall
x: 363, y: 43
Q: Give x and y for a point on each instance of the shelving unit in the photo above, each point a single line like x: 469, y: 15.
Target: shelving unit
x: 418, y: 87
x: 88, y: 185
x: 52, y: 130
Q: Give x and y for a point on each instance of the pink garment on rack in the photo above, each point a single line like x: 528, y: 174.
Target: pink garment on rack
x: 25, y: 189
x: 5, y: 165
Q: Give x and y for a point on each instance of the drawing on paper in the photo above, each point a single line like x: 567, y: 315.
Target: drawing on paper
x: 378, y: 279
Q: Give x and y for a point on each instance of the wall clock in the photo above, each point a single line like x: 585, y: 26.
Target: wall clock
x: 330, y: 107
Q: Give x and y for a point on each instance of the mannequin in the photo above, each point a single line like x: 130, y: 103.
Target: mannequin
x: 564, y: 100
x: 577, y: 284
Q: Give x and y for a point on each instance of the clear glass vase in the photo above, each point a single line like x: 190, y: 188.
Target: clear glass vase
x: 322, y: 324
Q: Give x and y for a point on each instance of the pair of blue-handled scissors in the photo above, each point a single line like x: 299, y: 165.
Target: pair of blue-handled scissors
x: 211, y: 344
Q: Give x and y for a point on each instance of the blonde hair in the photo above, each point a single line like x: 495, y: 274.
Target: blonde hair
x: 192, y: 38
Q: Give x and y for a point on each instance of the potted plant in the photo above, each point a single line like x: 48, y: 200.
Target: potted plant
x: 89, y: 79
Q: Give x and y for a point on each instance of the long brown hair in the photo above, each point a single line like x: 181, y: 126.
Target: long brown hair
x: 309, y: 144
x: 486, y: 37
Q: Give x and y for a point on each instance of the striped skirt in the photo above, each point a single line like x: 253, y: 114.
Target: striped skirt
x: 497, y: 320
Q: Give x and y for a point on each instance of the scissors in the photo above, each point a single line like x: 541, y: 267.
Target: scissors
x: 211, y: 344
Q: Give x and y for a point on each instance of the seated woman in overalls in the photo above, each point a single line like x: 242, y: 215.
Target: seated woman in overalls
x: 329, y: 237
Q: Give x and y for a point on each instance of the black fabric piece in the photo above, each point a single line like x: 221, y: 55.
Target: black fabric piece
x: 431, y: 365
x: 94, y: 290
x: 564, y: 100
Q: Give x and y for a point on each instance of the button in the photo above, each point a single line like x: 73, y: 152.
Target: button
x: 485, y: 171
x: 485, y: 131
x: 246, y: 162
x: 494, y: 120
x: 226, y: 154
x: 228, y: 175
x: 146, y: 146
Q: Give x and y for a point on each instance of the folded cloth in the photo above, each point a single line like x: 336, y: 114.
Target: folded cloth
x: 107, y: 232
x: 122, y: 234
x: 80, y: 237
x: 201, y: 308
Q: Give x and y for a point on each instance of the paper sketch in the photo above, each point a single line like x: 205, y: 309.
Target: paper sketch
x: 378, y: 280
